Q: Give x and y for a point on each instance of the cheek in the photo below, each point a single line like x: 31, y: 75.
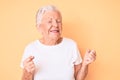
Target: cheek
x: 46, y: 28
x: 60, y: 26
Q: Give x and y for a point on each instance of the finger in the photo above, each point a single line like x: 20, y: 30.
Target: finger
x: 93, y: 57
x: 31, y: 68
x: 93, y: 52
x: 28, y: 67
x: 30, y: 58
x: 30, y: 63
x: 88, y: 51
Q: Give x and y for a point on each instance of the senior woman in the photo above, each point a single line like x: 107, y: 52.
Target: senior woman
x: 54, y: 57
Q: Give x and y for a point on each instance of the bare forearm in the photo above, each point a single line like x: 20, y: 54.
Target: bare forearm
x: 82, y: 73
x: 27, y: 75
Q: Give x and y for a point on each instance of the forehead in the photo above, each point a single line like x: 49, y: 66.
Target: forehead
x: 52, y: 14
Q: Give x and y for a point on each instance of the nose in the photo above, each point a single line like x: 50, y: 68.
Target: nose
x: 55, y: 24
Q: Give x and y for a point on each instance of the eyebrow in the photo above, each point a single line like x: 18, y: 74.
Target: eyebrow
x: 55, y: 19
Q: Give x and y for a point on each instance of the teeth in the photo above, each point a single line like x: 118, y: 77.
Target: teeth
x: 55, y: 31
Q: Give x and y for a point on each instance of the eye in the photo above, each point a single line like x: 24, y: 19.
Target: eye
x: 50, y: 21
x: 58, y: 21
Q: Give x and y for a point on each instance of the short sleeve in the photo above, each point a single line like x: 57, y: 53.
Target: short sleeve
x: 26, y: 54
x: 77, y: 56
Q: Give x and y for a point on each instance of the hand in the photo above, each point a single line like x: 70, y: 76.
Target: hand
x: 89, y: 57
x: 29, y: 64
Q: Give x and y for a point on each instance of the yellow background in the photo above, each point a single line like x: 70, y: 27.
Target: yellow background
x: 93, y: 24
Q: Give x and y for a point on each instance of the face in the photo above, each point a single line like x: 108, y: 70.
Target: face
x: 51, y: 25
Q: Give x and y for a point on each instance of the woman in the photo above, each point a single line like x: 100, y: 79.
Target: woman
x: 54, y: 57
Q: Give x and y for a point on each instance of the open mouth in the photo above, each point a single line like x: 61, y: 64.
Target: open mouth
x: 54, y: 31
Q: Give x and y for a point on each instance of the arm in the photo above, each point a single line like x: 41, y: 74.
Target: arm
x: 81, y: 72
x: 27, y: 75
x: 29, y: 68
x: 82, y: 69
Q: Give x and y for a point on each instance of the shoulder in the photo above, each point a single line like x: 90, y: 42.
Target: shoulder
x: 32, y: 44
x: 68, y: 40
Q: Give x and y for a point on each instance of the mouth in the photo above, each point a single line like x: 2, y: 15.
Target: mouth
x: 54, y: 31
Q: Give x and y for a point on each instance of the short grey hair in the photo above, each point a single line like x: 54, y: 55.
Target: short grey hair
x: 42, y: 10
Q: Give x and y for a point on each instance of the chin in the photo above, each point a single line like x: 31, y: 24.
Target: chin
x: 55, y: 37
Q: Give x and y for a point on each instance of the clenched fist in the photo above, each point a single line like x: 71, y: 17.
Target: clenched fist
x: 29, y: 65
x: 89, y: 57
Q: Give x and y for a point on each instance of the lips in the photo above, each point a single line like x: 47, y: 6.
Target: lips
x: 54, y: 31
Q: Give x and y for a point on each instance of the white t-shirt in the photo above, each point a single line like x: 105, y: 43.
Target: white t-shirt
x: 53, y: 62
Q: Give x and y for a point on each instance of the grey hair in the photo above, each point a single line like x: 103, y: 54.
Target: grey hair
x: 42, y: 10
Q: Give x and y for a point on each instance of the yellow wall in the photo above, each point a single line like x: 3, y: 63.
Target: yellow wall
x: 93, y: 24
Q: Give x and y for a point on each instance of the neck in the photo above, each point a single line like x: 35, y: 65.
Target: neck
x: 47, y: 41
